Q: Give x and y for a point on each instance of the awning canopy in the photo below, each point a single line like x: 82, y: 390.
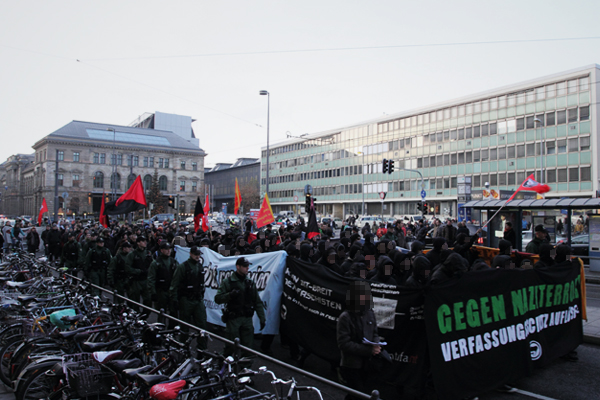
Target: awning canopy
x: 543, y: 204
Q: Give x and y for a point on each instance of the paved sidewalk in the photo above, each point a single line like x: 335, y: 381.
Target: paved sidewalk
x: 591, y: 327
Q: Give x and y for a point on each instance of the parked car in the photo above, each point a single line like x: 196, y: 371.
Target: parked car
x: 580, y: 246
x: 367, y: 218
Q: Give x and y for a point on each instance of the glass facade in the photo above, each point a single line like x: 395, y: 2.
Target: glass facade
x: 497, y: 139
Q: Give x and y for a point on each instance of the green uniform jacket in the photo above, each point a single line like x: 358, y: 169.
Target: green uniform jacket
x: 235, y: 281
x: 98, y: 253
x: 160, y: 273
x: 535, y: 245
x: 116, y: 270
x: 130, y: 269
x: 179, y: 279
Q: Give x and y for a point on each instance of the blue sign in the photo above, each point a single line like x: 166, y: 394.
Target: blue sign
x: 423, y: 194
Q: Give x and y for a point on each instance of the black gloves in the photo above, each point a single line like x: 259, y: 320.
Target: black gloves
x: 262, y: 324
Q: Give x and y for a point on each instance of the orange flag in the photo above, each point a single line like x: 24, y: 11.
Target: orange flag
x: 265, y: 215
x: 238, y: 198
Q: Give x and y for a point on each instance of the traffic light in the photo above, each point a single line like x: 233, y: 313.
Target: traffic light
x: 307, y: 202
x: 390, y: 166
x: 385, y: 166
x: 172, y: 201
x: 420, y: 207
x: 425, y: 208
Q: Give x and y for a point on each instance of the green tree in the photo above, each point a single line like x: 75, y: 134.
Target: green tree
x: 155, y: 196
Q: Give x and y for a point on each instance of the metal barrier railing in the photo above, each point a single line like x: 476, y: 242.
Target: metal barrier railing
x: 236, y: 343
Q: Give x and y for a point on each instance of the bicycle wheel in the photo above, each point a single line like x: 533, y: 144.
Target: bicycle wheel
x: 5, y: 356
x: 38, y: 385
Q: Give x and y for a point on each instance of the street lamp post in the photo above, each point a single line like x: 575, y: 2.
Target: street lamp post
x: 113, y: 160
x: 266, y: 93
x: 542, y: 145
x: 363, y: 180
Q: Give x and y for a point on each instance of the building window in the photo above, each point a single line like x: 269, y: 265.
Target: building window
x: 194, y: 166
x: 511, y: 178
x: 147, y: 182
x: 102, y: 158
x: 561, y: 117
x: 145, y: 161
x: 584, y: 113
x: 166, y: 163
x: 194, y: 186
x: 182, y: 186
x: 572, y: 115
x: 183, y: 165
x: 529, y: 122
x: 60, y: 155
x: 562, y: 175
x: 551, y: 175
x: 136, y: 161
x: 96, y: 159
x: 60, y: 178
x: 115, y: 181
x: 160, y: 163
x: 116, y: 159
x: 130, y: 180
x: 75, y: 157
x: 573, y: 145
x: 586, y: 174
x: 584, y: 143
x: 574, y: 174
x: 550, y: 118
x: 151, y: 162
x: 551, y: 147
x: 562, y: 145
x: 162, y: 183
x: 98, y: 180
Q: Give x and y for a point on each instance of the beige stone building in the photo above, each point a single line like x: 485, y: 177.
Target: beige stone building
x: 87, y: 159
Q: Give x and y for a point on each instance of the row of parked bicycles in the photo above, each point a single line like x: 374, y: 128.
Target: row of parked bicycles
x: 59, y: 342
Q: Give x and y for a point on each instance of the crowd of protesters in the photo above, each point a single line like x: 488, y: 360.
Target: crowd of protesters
x: 137, y: 261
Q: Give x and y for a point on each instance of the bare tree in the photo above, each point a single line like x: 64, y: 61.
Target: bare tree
x: 155, y: 196
x: 250, y: 192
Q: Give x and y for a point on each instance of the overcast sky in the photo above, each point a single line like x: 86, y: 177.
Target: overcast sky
x: 112, y: 61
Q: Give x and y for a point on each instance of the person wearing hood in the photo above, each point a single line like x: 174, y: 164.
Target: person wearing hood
x: 354, y: 249
x: 369, y: 245
x: 421, y: 269
x: 358, y: 268
x: 503, y: 259
x: 547, y: 254
x: 328, y: 260
x: 354, y: 325
x: 385, y: 269
x: 306, y: 252
x: 241, y: 245
x: 453, y: 266
x: 402, y: 267
x: 434, y: 254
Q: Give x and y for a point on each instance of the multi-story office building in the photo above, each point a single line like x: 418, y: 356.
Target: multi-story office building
x: 546, y: 126
x: 220, y: 182
x: 94, y: 158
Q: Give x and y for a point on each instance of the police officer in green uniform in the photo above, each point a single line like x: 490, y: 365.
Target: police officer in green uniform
x: 117, y: 276
x: 160, y: 274
x: 71, y: 254
x: 187, y: 292
x: 88, y: 244
x: 96, y: 264
x: 136, y: 267
x: 241, y: 297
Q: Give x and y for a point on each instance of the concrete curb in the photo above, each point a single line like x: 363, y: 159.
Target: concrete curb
x: 589, y: 339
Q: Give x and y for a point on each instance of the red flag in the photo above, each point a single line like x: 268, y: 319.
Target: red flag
x: 531, y: 184
x: 103, y: 217
x: 198, y: 212
x: 132, y: 200
x: 265, y: 215
x: 43, y: 209
x: 205, y: 226
x: 238, y: 198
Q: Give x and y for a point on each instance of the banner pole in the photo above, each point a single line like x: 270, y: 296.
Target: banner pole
x: 496, y: 213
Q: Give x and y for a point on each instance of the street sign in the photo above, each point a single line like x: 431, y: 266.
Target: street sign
x: 65, y: 195
x: 295, y: 199
x: 308, y: 189
x: 423, y: 194
x: 382, y: 195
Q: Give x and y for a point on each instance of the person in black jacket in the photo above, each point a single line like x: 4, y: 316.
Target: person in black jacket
x: 354, y: 325
x: 510, y: 234
x: 420, y: 273
x: 33, y: 240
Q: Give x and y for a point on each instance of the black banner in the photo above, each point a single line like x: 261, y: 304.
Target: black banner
x: 313, y: 299
x: 493, y: 327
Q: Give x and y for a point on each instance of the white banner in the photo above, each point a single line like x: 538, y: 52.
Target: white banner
x: 266, y: 271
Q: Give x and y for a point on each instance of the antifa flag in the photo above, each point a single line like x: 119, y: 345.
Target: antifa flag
x: 312, y: 228
x: 198, y: 213
x: 492, y: 327
x: 313, y: 299
x: 532, y: 185
x: 132, y: 200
